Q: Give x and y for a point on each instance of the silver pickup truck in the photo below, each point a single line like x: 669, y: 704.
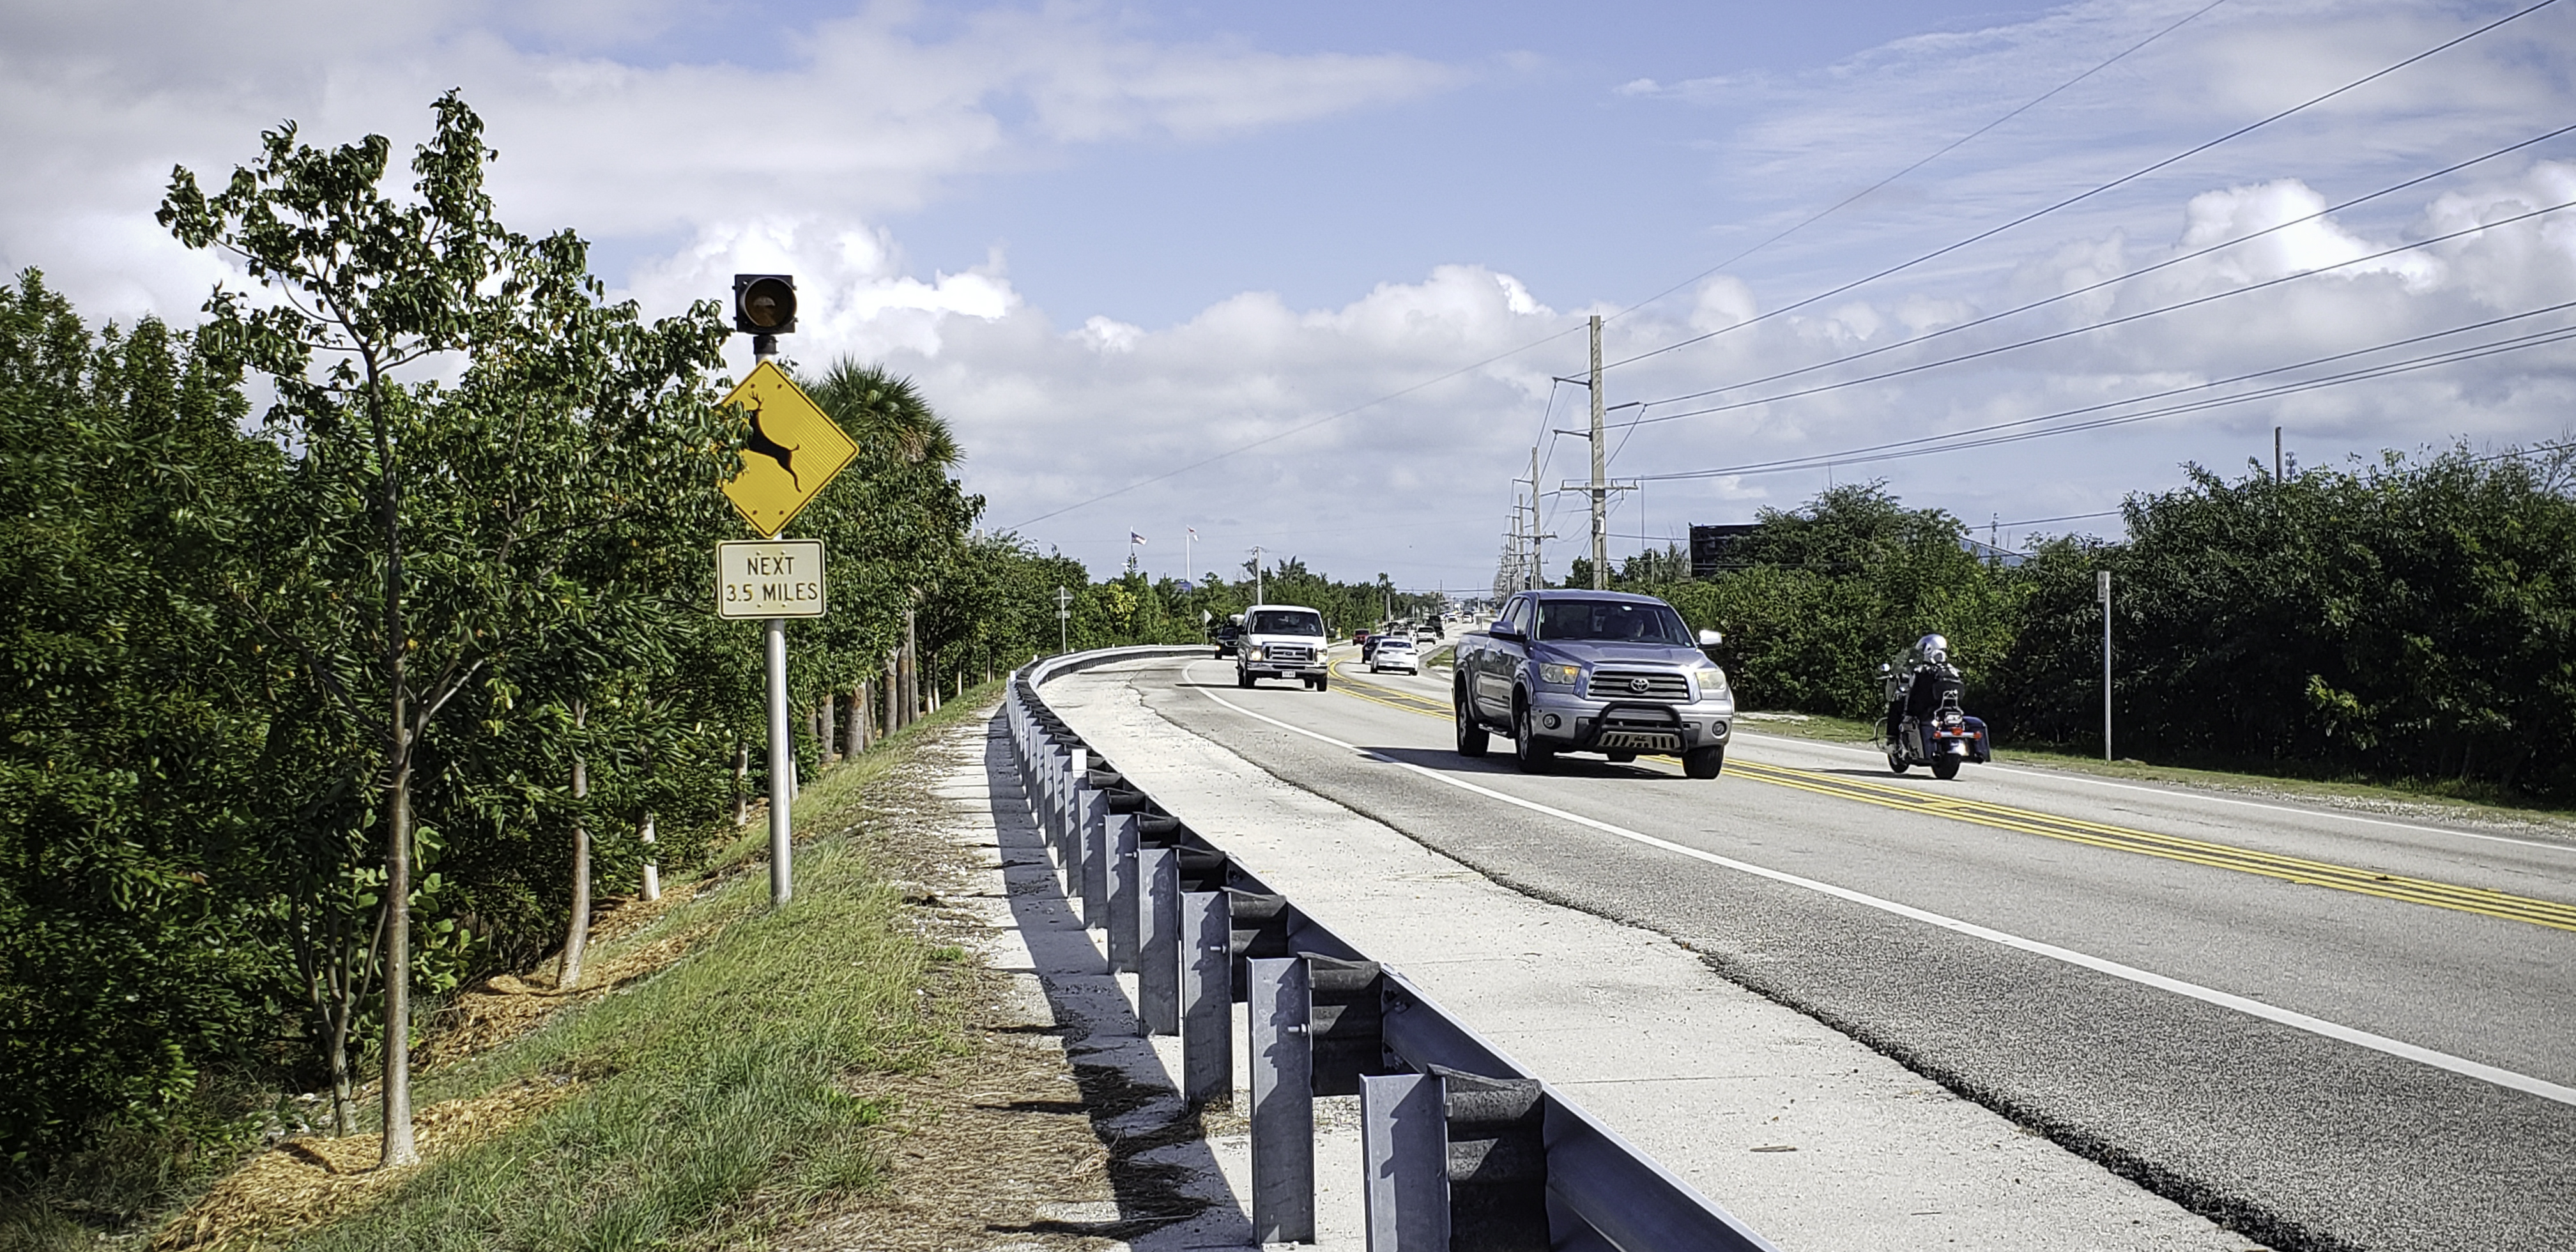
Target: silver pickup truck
x: 1593, y: 671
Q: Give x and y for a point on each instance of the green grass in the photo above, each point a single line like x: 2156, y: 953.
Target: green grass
x: 715, y: 1101
x: 2468, y: 800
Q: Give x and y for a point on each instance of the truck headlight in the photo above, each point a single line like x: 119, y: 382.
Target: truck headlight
x: 1559, y: 675
x: 1712, y: 681
x: 1255, y: 652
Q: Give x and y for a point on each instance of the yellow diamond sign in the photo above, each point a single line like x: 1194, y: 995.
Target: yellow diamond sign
x: 794, y: 450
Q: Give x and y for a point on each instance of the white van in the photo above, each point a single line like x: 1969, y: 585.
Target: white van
x: 1281, y: 641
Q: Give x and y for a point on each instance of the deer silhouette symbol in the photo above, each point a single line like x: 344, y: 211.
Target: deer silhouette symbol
x: 771, y: 448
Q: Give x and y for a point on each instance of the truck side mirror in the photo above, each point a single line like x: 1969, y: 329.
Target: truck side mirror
x: 1710, y: 639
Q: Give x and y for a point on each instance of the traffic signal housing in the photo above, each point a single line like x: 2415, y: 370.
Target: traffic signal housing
x: 764, y: 304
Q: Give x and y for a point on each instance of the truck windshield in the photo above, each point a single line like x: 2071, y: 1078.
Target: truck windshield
x: 1612, y: 620
x: 1287, y: 622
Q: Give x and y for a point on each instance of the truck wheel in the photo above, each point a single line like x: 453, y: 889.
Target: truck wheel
x: 1323, y: 681
x: 1704, y: 762
x: 1472, y: 739
x: 1527, y: 752
x: 1946, y: 768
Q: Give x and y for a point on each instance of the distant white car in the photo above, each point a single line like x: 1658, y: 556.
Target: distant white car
x: 1395, y: 652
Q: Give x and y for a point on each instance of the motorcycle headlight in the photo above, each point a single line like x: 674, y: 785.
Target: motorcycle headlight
x: 1559, y: 675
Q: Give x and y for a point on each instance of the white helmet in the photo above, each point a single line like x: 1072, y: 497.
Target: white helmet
x: 1934, y: 649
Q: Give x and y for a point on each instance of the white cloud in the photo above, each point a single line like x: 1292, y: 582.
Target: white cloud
x: 868, y: 117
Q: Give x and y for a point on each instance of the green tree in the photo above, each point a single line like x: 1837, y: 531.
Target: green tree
x: 137, y: 958
x: 426, y: 525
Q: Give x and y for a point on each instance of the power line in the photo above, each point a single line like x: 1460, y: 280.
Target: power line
x: 1937, y: 154
x: 2121, y: 278
x: 2071, y: 517
x: 1812, y: 461
x: 1953, y: 441
x: 1547, y: 339
x: 2088, y: 194
x: 2123, y: 320
x: 1307, y: 426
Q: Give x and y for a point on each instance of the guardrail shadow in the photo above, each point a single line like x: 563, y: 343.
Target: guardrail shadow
x: 1168, y: 1188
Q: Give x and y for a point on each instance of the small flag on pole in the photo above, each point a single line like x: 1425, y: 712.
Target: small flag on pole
x: 1133, y: 537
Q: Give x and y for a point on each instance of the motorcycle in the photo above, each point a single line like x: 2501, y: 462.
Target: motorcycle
x: 1924, y: 725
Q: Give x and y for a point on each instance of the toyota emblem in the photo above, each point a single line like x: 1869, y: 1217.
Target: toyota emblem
x: 1637, y: 686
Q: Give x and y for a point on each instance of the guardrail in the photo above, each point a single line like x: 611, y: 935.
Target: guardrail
x: 1462, y: 1149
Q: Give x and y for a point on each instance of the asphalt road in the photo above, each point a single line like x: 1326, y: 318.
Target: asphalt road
x: 2327, y: 1029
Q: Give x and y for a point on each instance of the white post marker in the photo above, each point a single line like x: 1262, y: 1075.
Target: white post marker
x: 774, y: 580
x: 1063, y: 620
x: 2102, y: 584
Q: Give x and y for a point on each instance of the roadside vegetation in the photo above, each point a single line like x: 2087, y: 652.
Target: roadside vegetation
x: 360, y: 653
x: 2410, y: 623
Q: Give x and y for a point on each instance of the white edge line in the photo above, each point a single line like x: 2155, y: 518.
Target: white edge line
x: 2187, y: 791
x: 2462, y: 1066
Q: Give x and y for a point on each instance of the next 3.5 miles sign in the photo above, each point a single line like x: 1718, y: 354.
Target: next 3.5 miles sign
x: 771, y: 578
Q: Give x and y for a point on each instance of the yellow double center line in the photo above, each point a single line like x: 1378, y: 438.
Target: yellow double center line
x: 2292, y: 869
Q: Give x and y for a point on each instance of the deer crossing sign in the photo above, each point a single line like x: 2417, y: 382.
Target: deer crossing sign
x: 791, y: 452
x: 780, y: 578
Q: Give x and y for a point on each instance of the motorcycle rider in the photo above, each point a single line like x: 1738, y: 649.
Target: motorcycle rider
x: 1924, y: 676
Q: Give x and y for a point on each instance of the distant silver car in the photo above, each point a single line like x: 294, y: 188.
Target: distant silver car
x: 1395, y: 652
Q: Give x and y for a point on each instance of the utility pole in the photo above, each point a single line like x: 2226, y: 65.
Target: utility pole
x: 2276, y: 454
x: 1063, y: 621
x: 1256, y: 575
x: 1600, y: 492
x: 2102, y: 584
x: 1530, y: 574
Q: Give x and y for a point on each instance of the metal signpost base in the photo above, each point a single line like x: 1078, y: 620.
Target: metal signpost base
x: 782, y: 767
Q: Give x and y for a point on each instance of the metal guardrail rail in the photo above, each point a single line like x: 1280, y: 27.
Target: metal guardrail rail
x: 1463, y: 1149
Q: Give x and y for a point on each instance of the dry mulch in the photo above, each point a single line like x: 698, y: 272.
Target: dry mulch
x: 305, y: 1182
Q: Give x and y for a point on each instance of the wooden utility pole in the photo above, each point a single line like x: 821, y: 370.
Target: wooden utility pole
x: 1600, y: 481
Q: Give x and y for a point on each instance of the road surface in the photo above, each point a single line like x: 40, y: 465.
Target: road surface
x: 2329, y: 1029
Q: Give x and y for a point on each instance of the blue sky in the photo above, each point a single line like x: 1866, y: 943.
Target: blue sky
x: 1111, y: 241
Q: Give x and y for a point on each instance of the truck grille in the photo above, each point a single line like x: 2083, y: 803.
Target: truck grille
x: 1638, y: 730
x: 1621, y: 684
x: 1288, y: 652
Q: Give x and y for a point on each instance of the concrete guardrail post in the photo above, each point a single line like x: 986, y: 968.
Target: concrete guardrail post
x: 1404, y: 1155
x: 1122, y: 893
x: 1283, y: 1102
x: 1158, y: 941
x: 1207, y: 1000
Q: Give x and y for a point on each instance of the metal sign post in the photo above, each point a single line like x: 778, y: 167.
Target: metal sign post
x: 792, y: 453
